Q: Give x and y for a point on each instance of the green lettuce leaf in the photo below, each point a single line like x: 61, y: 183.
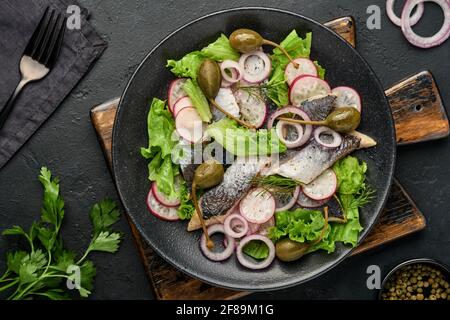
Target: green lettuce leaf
x: 186, y: 208
x: 188, y: 66
x: 256, y: 249
x: 243, y: 142
x: 351, y: 175
x: 320, y: 70
x: 277, y: 89
x: 160, y: 126
x: 198, y: 99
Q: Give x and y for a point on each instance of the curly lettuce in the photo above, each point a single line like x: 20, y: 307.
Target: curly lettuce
x: 160, y: 126
x: 243, y: 142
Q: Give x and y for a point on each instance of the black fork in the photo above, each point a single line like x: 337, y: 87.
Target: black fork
x: 40, y: 54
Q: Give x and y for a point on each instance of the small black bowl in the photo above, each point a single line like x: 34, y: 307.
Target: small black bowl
x: 438, y: 265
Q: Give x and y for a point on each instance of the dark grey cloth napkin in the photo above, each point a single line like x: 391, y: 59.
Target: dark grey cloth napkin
x: 18, y: 20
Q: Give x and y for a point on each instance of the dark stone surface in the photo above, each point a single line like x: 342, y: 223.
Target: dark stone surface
x: 67, y: 143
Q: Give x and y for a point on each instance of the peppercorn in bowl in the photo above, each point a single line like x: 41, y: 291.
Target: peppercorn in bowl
x: 417, y: 279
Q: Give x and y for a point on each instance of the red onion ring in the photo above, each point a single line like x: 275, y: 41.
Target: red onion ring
x: 426, y: 42
x: 289, y: 144
x: 263, y: 73
x: 307, y: 129
x: 396, y: 20
x: 217, y: 256
x: 234, y: 68
x: 230, y: 225
x: 255, y: 265
x: 337, y: 139
x: 291, y: 203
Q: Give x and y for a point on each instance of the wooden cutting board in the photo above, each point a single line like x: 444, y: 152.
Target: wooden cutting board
x: 419, y: 116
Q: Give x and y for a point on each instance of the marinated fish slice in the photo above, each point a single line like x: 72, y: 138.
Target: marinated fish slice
x: 237, y: 180
x: 308, y: 163
x: 318, y: 108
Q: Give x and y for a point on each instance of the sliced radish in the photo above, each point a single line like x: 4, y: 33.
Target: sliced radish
x: 163, y: 199
x: 305, y: 87
x: 256, y: 66
x: 347, y: 97
x: 252, y: 106
x: 182, y: 103
x: 323, y: 187
x: 306, y: 202
x: 159, y: 210
x: 258, y: 206
x: 227, y: 101
x: 189, y: 125
x: 175, y: 92
x: 305, y: 67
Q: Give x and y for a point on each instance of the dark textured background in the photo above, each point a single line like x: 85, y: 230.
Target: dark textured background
x: 67, y: 142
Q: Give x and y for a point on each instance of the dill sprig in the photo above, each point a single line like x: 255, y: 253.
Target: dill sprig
x: 364, y: 196
x: 276, y: 184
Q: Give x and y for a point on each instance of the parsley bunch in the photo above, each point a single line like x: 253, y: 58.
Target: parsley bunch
x: 48, y: 269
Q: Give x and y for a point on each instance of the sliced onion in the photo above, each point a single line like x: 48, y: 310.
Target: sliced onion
x: 307, y: 129
x: 233, y: 222
x: 425, y: 42
x: 246, y: 262
x: 253, y: 71
x: 281, y: 125
x: 217, y: 256
x: 234, y: 68
x: 291, y: 202
x: 396, y: 20
x: 337, y: 139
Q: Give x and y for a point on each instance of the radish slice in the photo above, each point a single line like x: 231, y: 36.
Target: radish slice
x: 160, y: 211
x: 183, y: 102
x: 323, y: 187
x: 253, y: 107
x: 305, y: 67
x: 347, y: 97
x: 425, y: 42
x: 307, y: 129
x: 227, y: 101
x: 396, y: 20
x: 306, y: 202
x: 231, y: 71
x: 217, y: 256
x: 335, y: 141
x: 189, y: 125
x: 258, y: 206
x: 163, y: 199
x: 256, y: 66
x: 285, y: 203
x: 246, y: 262
x: 252, y: 228
x: 175, y: 92
x: 235, y: 226
x: 305, y: 87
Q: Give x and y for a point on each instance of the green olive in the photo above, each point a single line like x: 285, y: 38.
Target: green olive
x: 345, y: 119
x: 208, y: 174
x: 209, y: 78
x: 288, y: 250
x: 245, y: 40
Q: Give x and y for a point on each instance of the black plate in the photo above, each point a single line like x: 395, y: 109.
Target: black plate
x: 170, y: 239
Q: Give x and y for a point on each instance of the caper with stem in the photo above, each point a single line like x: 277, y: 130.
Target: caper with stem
x: 209, y: 79
x: 289, y: 250
x: 343, y: 120
x: 247, y: 40
x: 207, y: 175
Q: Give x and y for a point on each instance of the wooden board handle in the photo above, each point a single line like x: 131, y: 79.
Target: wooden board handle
x: 417, y: 108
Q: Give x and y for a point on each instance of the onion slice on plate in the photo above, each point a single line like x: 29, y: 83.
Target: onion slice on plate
x: 307, y: 129
x: 337, y: 139
x: 286, y: 206
x: 282, y: 132
x: 235, y: 226
x: 217, y: 256
x: 425, y: 42
x: 256, y: 66
x: 233, y: 68
x: 246, y: 262
x: 396, y: 20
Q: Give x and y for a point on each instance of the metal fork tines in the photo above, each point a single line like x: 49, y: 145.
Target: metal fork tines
x: 40, y: 54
